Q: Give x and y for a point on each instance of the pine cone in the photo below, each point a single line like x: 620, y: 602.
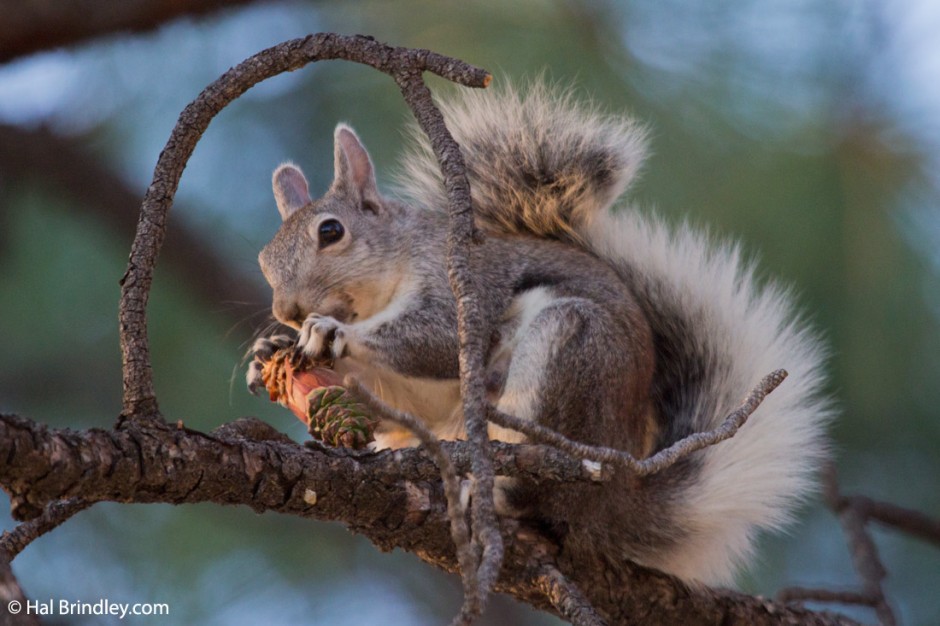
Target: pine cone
x: 338, y: 420
x: 289, y: 380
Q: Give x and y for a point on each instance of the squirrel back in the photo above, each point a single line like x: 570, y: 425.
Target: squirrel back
x: 542, y: 164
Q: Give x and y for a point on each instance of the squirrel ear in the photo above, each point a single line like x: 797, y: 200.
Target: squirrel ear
x: 352, y: 165
x: 290, y: 189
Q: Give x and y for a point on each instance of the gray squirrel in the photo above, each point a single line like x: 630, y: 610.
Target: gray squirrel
x: 607, y: 326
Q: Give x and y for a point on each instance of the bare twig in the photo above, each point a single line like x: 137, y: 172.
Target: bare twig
x: 567, y: 598
x: 471, y: 325
x: 906, y: 520
x: 854, y: 513
x: 458, y: 522
x: 662, y: 459
x: 861, y: 546
x: 14, y: 541
x: 806, y: 594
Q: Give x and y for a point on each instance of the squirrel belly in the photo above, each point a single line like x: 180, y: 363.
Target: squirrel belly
x: 609, y: 327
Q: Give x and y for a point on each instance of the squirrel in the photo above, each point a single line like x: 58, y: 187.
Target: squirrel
x: 608, y: 326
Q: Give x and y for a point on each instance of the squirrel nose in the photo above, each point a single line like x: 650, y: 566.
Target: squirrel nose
x: 287, y: 312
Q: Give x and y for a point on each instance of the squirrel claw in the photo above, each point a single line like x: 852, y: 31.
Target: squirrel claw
x: 261, y: 351
x: 321, y: 337
x: 253, y: 377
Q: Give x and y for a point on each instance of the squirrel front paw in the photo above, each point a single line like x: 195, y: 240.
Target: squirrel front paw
x: 323, y: 337
x: 261, y: 351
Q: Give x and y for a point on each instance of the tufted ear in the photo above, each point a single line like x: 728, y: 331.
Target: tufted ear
x: 352, y: 166
x: 290, y: 189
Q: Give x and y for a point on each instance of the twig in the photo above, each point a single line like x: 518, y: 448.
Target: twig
x: 861, y: 546
x: 14, y: 541
x: 567, y: 598
x: 906, y: 520
x: 455, y: 513
x: 805, y: 594
x: 471, y: 326
x: 662, y: 459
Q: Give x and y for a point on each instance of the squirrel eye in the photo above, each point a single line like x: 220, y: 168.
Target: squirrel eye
x: 329, y: 232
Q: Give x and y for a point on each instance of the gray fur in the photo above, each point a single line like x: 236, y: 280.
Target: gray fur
x: 612, y: 330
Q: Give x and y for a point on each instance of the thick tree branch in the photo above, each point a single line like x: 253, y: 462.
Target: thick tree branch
x: 32, y: 25
x: 395, y: 498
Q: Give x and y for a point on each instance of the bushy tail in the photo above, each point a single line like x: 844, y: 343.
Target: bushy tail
x: 538, y: 163
x: 541, y: 164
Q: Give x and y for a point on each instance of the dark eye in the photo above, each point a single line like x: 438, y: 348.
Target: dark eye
x: 329, y: 232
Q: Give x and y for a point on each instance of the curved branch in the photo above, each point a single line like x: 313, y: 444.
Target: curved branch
x: 139, y: 398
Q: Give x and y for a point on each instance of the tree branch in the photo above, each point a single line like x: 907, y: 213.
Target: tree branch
x: 662, y: 459
x: 395, y: 498
x: 862, y: 547
x: 472, y: 329
x: 854, y: 513
x: 55, y: 513
x: 29, y: 26
x: 908, y: 521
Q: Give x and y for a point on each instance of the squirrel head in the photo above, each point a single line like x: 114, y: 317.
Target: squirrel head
x: 337, y: 255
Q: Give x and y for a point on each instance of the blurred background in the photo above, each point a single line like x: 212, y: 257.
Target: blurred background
x: 809, y: 131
